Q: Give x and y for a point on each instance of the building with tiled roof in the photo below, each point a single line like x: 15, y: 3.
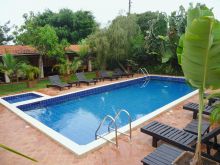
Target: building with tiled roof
x: 28, y: 50
x: 31, y: 54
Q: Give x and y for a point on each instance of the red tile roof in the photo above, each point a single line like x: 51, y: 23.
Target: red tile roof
x: 73, y: 48
x: 28, y: 50
x: 17, y: 50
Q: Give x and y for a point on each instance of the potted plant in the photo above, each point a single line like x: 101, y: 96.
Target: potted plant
x: 30, y: 72
x: 199, y: 55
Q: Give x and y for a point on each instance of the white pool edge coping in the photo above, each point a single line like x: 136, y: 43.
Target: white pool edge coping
x: 77, y: 149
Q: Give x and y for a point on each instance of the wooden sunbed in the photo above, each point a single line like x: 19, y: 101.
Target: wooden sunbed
x: 194, y: 107
x: 56, y: 82
x: 82, y: 79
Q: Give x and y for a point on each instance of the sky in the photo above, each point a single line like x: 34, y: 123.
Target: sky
x: 103, y: 10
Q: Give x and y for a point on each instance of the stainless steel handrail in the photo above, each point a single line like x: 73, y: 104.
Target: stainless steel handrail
x: 116, y: 117
x: 100, y: 125
x: 144, y: 71
x: 146, y: 74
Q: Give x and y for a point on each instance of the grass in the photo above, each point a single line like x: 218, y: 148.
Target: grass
x: 13, y: 88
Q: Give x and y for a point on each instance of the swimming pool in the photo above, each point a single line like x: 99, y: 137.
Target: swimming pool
x: 21, y: 97
x: 72, y: 119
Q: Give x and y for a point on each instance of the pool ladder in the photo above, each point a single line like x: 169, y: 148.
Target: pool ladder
x: 143, y: 71
x: 115, y: 128
x: 146, y: 74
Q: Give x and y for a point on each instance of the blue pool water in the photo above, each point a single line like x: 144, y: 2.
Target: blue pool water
x: 79, y: 118
x: 21, y: 97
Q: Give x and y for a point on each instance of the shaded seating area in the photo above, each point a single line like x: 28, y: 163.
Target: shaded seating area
x: 57, y: 83
x: 118, y: 72
x: 104, y: 75
x: 194, y: 107
x: 181, y: 139
x: 82, y: 79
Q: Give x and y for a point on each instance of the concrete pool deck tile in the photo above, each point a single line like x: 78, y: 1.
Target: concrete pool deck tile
x: 18, y: 134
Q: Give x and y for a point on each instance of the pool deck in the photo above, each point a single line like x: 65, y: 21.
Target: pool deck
x: 18, y: 134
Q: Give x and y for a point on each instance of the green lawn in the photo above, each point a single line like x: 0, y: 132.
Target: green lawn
x: 6, y: 89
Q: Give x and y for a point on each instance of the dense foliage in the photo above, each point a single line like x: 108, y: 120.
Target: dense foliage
x: 161, y: 33
x: 68, y: 25
x: 148, y: 39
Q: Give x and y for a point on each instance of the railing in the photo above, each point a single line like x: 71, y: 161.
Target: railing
x: 113, y: 122
x: 102, y: 136
x: 116, y: 117
x: 146, y: 74
x: 144, y: 71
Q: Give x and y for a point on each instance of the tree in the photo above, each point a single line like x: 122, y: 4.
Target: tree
x: 199, y: 50
x: 158, y: 27
x: 99, y: 45
x: 84, y: 53
x: 69, y: 25
x: 144, y: 20
x: 45, y: 40
x: 177, y: 25
x: 4, y: 36
x: 83, y: 25
x: 120, y: 35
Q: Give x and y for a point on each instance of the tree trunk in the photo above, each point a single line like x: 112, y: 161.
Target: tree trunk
x: 89, y: 65
x: 68, y: 60
x: 41, y: 66
x: 7, y: 79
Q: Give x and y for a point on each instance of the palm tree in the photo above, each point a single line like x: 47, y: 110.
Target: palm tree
x: 30, y: 72
x: 65, y: 66
x: 11, y: 67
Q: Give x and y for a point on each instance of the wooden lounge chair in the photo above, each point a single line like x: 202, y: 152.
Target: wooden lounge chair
x: 56, y: 82
x: 104, y: 75
x: 177, y: 137
x: 211, y: 100
x: 194, y: 107
x: 82, y: 79
x: 166, y: 154
x: 163, y: 155
x: 120, y: 73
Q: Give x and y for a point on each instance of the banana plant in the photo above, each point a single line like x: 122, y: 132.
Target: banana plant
x: 199, y: 55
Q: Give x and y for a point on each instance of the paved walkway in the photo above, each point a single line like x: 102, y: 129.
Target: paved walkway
x: 19, y: 135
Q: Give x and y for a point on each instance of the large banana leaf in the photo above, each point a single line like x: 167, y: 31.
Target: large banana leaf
x: 199, y: 50
x: 201, y: 57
